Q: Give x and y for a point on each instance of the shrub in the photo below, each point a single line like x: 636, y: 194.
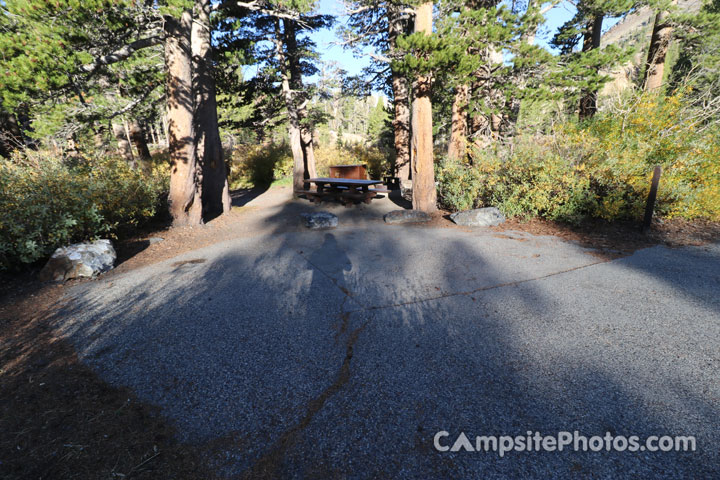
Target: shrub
x: 257, y: 165
x: 621, y: 147
x: 525, y: 185
x: 47, y: 203
x: 601, y: 168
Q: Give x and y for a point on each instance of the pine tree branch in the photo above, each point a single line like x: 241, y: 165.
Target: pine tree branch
x: 262, y: 6
x: 121, y: 53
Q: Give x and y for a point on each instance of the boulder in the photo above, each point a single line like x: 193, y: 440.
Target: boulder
x: 320, y: 220
x: 79, y: 260
x: 406, y: 216
x: 479, y: 217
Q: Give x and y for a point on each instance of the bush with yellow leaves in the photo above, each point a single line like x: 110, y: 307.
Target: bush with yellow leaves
x: 256, y: 165
x: 601, y: 168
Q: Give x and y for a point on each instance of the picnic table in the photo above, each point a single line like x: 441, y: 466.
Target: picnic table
x: 346, y: 190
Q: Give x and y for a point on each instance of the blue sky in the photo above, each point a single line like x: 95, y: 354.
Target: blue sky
x: 347, y: 61
x: 324, y: 38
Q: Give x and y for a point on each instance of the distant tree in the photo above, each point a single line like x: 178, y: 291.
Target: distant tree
x: 377, y: 25
x: 377, y: 122
x: 659, y: 44
x: 495, y: 66
x: 287, y: 26
x: 583, y: 68
x: 698, y: 64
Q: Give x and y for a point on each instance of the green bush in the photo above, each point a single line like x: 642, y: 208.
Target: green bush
x: 598, y: 169
x: 258, y: 165
x: 526, y: 185
x: 47, y: 203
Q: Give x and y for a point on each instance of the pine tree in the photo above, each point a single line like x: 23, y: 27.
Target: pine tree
x: 288, y: 25
x: 583, y: 68
x: 496, y: 67
x: 81, y: 58
x: 377, y: 25
x: 698, y: 65
x: 377, y: 122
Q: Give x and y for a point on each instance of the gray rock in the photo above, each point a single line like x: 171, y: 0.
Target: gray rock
x: 153, y: 240
x: 479, y: 217
x: 406, y: 216
x: 79, y: 260
x: 320, y: 220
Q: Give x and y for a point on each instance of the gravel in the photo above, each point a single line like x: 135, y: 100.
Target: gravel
x: 341, y: 354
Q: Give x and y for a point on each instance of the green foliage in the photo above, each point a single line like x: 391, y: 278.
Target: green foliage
x: 525, y: 185
x: 698, y: 63
x: 259, y: 165
x: 48, y: 203
x: 599, y: 169
x: 49, y: 49
x: 379, y: 126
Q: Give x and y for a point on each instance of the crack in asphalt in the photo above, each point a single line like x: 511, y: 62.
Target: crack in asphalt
x: 481, y: 289
x: 268, y: 464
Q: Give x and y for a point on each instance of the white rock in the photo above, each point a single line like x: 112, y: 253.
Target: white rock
x: 480, y: 217
x: 79, y: 260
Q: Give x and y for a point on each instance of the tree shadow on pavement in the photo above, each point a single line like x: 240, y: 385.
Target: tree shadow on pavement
x: 243, y: 196
x: 307, y: 354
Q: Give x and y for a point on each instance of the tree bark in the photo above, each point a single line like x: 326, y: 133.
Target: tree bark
x: 137, y: 135
x: 591, y: 41
x: 401, y: 126
x: 401, y: 97
x: 11, y: 137
x: 424, y: 196
x: 300, y: 133
x: 123, y: 146
x: 185, y: 199
x: 659, y: 44
x: 457, y: 148
x: 215, y: 190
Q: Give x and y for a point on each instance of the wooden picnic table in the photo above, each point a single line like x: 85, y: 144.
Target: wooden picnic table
x: 344, y: 189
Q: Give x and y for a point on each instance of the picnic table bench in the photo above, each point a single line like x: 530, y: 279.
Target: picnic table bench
x: 345, y: 190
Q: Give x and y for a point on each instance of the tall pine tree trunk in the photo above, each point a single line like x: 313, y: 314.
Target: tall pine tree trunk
x: 424, y: 196
x: 457, y: 148
x: 591, y: 41
x: 185, y: 199
x: 659, y: 44
x: 401, y: 125
x: 401, y: 97
x: 11, y: 137
x: 300, y: 133
x: 137, y: 135
x: 215, y: 191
